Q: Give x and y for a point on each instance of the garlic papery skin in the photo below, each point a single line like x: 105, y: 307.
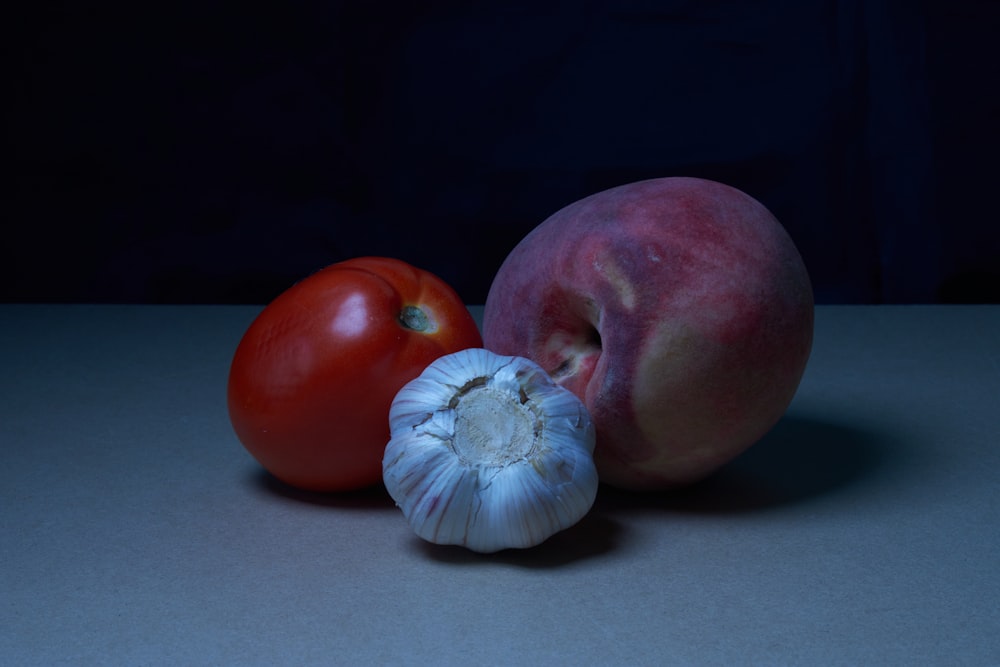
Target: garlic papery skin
x: 487, y: 452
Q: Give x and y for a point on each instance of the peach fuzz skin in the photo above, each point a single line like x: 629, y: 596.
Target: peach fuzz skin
x: 677, y: 309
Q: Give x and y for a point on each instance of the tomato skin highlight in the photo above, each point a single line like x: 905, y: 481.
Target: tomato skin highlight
x: 313, y: 377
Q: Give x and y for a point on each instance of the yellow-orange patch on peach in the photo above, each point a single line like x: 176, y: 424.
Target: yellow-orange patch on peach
x: 617, y: 278
x: 669, y: 401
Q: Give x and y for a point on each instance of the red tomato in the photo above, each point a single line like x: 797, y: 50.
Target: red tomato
x: 313, y: 377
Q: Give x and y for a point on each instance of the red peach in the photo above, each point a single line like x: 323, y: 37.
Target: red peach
x: 678, y: 309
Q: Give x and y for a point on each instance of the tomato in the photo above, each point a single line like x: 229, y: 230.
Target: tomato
x: 314, y: 375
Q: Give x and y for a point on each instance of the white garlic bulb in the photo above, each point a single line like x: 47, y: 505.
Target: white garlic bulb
x: 489, y: 453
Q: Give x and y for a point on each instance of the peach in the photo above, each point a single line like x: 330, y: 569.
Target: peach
x: 678, y: 309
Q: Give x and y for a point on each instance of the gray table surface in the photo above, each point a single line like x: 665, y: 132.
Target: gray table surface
x: 135, y: 530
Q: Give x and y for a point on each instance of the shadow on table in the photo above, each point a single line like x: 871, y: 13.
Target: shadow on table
x: 372, y: 498
x: 596, y: 535
x: 800, y: 459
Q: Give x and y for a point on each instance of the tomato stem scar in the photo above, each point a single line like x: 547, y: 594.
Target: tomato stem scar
x: 413, y: 318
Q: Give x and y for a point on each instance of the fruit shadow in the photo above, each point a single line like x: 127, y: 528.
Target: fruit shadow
x: 371, y: 498
x: 801, y: 459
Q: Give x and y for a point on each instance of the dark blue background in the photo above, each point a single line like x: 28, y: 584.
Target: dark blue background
x: 217, y: 152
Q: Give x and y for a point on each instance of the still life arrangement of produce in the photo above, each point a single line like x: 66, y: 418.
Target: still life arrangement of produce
x: 641, y: 338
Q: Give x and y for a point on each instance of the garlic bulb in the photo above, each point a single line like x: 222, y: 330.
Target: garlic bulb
x: 486, y: 451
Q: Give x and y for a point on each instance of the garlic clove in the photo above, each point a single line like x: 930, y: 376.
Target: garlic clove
x: 486, y: 451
